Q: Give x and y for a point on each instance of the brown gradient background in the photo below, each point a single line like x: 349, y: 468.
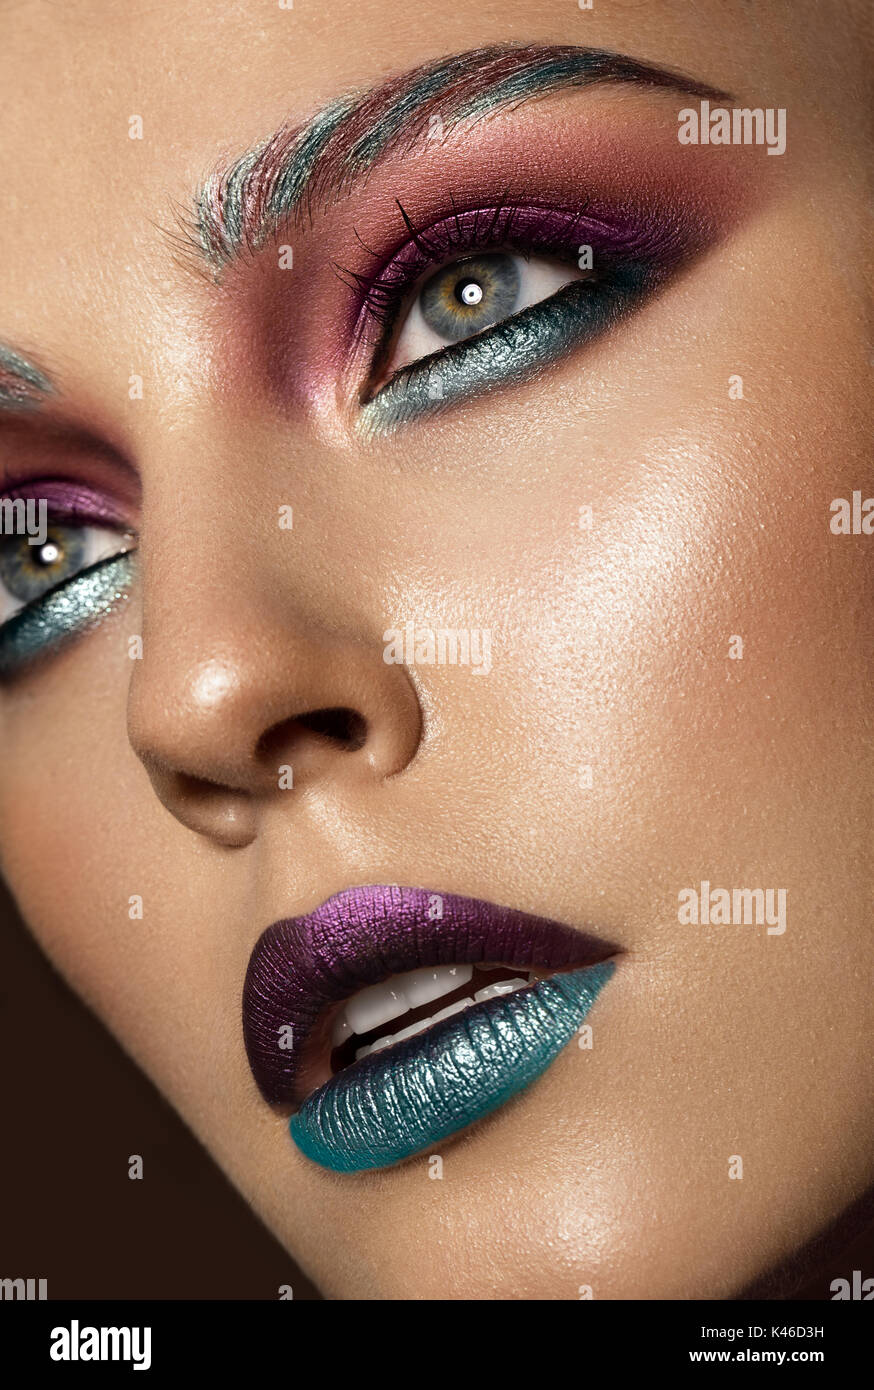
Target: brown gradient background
x: 74, y: 1107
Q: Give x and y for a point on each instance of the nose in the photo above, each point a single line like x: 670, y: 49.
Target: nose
x: 243, y: 696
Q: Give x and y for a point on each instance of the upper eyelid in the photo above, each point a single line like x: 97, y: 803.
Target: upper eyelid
x: 503, y: 221
x: 70, y: 498
x: 70, y: 517
x: 613, y: 228
x: 400, y: 400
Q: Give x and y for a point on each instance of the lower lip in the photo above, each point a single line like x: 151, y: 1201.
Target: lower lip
x: 395, y: 1103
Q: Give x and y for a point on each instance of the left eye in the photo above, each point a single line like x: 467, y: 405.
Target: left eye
x: 470, y: 295
x: 27, y: 572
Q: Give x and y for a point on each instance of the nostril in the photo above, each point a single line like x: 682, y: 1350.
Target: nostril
x: 344, y: 727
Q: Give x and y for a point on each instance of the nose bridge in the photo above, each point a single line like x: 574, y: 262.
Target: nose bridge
x: 262, y: 644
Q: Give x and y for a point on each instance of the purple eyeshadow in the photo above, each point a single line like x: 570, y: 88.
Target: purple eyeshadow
x: 612, y: 233
x: 70, y: 501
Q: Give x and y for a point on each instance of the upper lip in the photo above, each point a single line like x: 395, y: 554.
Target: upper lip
x: 302, y: 966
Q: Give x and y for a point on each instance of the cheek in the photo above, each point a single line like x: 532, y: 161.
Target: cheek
x: 81, y: 832
x: 691, y: 638
x: 67, y: 797
x: 119, y: 896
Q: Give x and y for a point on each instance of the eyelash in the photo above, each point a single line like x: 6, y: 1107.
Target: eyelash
x: 435, y: 247
x: 383, y: 291
x: 629, y: 265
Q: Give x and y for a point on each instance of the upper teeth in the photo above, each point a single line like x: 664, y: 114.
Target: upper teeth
x: 380, y: 1003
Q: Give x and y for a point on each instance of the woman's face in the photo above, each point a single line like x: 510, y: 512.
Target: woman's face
x: 621, y: 502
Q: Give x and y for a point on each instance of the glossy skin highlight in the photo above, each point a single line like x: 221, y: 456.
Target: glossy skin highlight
x: 710, y: 514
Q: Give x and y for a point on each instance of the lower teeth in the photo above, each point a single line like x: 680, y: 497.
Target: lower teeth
x: 490, y: 992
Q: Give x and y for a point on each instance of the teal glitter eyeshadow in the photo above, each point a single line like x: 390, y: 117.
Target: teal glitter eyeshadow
x: 64, y: 612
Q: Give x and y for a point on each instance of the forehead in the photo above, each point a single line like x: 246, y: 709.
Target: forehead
x: 205, y: 89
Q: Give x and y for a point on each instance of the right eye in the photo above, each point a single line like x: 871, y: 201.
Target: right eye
x: 28, y: 572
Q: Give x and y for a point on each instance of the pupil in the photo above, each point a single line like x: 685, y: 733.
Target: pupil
x: 469, y: 292
x: 49, y: 554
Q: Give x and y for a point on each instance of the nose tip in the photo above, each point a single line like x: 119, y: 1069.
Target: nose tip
x: 221, y: 742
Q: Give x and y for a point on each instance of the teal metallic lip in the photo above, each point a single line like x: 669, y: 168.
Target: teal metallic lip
x: 301, y: 1014
x: 399, y: 1102
x: 64, y: 613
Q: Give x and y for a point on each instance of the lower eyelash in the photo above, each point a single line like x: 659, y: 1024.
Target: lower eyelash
x: 64, y: 612
x: 509, y: 352
x: 525, y: 227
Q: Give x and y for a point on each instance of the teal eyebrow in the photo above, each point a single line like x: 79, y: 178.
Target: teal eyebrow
x: 23, y: 385
x: 241, y: 206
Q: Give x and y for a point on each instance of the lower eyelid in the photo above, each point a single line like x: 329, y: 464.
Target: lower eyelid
x: 508, y: 353
x: 65, y: 612
x: 100, y: 542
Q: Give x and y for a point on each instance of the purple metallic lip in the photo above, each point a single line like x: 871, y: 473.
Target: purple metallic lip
x: 302, y: 968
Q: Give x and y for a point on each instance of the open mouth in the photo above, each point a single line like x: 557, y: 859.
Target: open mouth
x: 391, y: 1018
x: 405, y: 1005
